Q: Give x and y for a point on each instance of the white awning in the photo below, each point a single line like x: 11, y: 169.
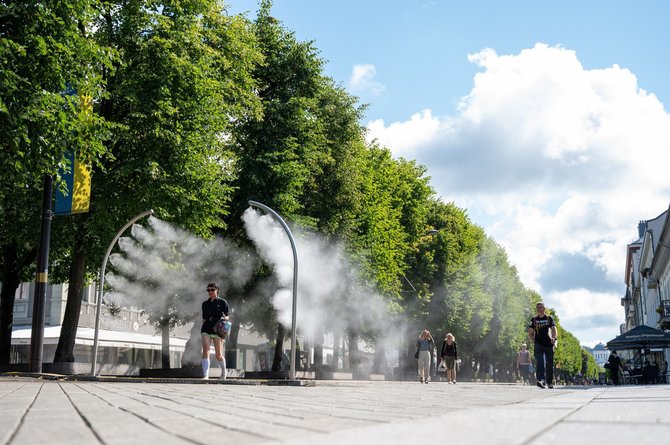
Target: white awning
x: 106, y: 338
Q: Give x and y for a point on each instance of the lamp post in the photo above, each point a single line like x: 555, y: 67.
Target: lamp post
x: 276, y: 216
x: 41, y: 279
x: 101, y: 284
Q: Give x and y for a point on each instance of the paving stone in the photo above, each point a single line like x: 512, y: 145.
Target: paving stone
x: 130, y: 411
x: 605, y: 432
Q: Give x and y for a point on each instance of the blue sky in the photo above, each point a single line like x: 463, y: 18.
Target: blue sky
x: 543, y: 119
x: 419, y: 48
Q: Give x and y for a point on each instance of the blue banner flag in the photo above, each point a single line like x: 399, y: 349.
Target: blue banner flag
x: 78, y: 181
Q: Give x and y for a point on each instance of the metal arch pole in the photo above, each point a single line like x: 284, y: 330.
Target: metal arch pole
x: 101, y: 285
x: 295, y: 280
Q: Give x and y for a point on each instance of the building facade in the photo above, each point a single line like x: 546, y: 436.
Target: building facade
x: 600, y: 353
x: 127, y: 340
x: 647, y: 277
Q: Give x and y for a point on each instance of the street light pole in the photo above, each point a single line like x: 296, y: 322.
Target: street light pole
x: 101, y: 284
x: 41, y: 279
x: 276, y: 216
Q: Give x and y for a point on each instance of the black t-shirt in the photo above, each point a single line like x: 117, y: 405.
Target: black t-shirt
x: 212, y: 311
x: 541, y: 325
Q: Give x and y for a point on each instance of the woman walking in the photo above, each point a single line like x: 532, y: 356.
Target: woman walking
x: 213, y: 310
x: 450, y: 355
x: 523, y: 364
x: 425, y: 346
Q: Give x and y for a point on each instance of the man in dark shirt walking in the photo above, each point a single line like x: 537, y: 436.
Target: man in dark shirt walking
x: 542, y: 331
x: 615, y: 364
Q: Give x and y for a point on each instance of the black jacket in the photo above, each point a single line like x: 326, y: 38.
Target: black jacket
x: 213, y: 311
x: 449, y: 350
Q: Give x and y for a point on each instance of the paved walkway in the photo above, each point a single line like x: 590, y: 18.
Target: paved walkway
x: 36, y: 411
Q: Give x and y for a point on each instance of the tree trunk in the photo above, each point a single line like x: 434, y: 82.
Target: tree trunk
x: 380, y: 366
x: 411, y: 364
x: 68, y: 331
x: 279, y: 348
x: 231, y: 346
x: 10, y: 276
x: 192, y: 350
x: 335, y: 363
x: 318, y: 350
x: 354, y: 352
x: 9, y: 286
x: 165, y: 345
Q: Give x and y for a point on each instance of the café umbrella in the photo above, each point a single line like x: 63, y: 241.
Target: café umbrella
x: 640, y: 337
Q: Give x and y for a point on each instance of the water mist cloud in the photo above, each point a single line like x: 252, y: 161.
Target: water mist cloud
x: 162, y: 263
x: 330, y: 296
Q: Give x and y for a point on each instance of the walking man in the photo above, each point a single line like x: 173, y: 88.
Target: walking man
x: 542, y: 331
x: 615, y: 364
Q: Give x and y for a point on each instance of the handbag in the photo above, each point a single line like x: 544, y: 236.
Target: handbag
x: 442, y: 366
x: 222, y: 328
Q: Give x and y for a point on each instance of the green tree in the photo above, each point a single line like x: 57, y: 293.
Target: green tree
x: 568, y: 354
x: 459, y: 304
x: 394, y: 200
x: 277, y: 150
x: 509, y: 300
x: 48, y: 59
x: 589, y: 366
x: 307, y: 159
x: 289, y: 151
x: 181, y: 85
x: 332, y: 195
x: 394, y: 197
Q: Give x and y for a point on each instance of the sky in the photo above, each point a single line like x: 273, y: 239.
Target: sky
x: 546, y: 121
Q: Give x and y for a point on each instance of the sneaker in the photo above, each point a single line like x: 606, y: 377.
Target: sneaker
x: 223, y: 377
x: 420, y: 379
x: 541, y: 384
x: 426, y: 382
x: 550, y: 386
x: 454, y: 382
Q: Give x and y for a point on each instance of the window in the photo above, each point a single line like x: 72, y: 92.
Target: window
x: 23, y: 292
x: 89, y: 293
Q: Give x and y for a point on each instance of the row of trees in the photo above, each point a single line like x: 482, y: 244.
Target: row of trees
x: 196, y: 111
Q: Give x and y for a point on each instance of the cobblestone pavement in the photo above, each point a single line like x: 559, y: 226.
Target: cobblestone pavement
x: 37, y: 411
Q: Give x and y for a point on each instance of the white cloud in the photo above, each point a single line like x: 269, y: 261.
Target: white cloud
x: 422, y: 128
x: 551, y: 158
x: 362, y: 80
x: 591, y: 314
